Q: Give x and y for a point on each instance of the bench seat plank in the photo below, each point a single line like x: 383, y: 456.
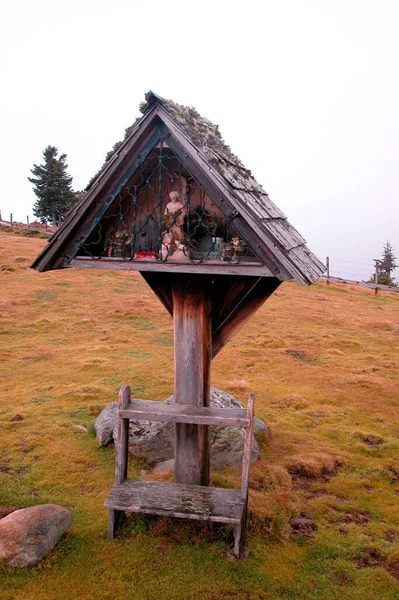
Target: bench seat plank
x: 150, y: 410
x: 177, y: 500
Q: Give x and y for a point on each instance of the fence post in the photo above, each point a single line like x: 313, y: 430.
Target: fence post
x: 11, y: 220
x: 27, y: 220
x: 377, y: 264
x: 328, y: 270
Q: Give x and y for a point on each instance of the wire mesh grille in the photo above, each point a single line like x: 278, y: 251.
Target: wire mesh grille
x: 163, y: 214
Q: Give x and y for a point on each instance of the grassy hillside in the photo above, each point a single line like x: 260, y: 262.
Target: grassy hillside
x: 324, y: 366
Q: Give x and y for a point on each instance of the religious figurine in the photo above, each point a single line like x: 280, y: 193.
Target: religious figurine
x: 239, y: 246
x: 174, y: 238
x: 119, y: 242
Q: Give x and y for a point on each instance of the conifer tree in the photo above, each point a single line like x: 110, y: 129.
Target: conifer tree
x: 53, y: 187
x: 386, y: 265
x: 388, y: 260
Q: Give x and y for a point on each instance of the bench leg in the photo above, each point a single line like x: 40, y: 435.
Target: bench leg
x: 115, y: 517
x: 239, y: 536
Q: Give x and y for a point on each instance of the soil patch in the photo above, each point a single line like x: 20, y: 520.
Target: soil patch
x: 374, y: 558
x: 302, y: 526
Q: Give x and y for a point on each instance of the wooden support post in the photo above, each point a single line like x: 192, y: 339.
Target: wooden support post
x: 193, y: 351
x: 328, y: 270
x: 27, y: 221
x: 11, y: 220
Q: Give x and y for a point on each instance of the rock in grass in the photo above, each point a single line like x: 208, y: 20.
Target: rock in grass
x: 27, y: 535
x: 105, y: 424
x: 260, y: 427
x: 227, y: 447
x: 151, y: 440
x: 165, y: 466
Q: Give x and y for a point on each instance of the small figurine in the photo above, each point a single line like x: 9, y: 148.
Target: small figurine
x: 174, y: 238
x: 119, y: 243
x: 239, y: 245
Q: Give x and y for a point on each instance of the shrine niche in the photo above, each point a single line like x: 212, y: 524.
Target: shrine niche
x: 163, y: 214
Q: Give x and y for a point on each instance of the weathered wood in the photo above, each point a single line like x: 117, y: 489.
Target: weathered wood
x: 387, y: 288
x: 161, y: 285
x: 240, y: 529
x: 253, y: 300
x: 218, y: 188
x: 239, y: 534
x: 240, y: 198
x: 122, y: 437
x: 227, y: 202
x: 109, y: 200
x: 177, y: 500
x: 52, y: 257
x: 193, y: 348
x: 150, y: 410
x: 246, y: 459
x: 142, y: 265
x: 328, y: 270
x: 115, y: 520
x: 116, y: 517
x: 377, y: 266
x: 227, y: 293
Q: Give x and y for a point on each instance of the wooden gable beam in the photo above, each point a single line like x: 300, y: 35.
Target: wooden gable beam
x: 161, y: 285
x: 227, y: 292
x: 239, y: 315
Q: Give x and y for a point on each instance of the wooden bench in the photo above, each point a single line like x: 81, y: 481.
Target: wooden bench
x: 175, y: 499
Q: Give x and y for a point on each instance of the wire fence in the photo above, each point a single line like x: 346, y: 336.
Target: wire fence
x: 42, y: 228
x: 356, y: 273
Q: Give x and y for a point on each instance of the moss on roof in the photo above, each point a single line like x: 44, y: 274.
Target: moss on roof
x: 202, y: 132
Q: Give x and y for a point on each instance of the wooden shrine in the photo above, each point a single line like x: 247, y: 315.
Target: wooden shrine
x: 174, y: 203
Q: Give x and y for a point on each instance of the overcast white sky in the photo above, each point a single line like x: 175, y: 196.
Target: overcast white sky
x: 306, y: 92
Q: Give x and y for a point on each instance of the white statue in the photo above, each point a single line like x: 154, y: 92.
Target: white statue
x: 174, y: 237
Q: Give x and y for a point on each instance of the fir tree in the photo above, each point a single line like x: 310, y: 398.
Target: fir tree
x: 388, y: 260
x: 386, y: 265
x: 53, y: 187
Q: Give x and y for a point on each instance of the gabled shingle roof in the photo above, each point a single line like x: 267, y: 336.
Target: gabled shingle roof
x: 203, y: 141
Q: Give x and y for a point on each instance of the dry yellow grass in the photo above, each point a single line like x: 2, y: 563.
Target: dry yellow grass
x: 324, y: 366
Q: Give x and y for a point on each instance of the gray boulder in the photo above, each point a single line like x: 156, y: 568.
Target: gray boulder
x: 260, y: 427
x: 154, y: 441
x: 164, y: 466
x: 227, y: 447
x: 27, y: 535
x: 105, y: 423
x: 151, y: 440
